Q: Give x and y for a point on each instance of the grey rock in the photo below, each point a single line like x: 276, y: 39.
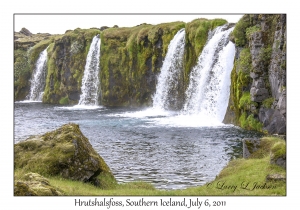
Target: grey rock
x: 254, y: 75
x: 277, y: 124
x: 276, y: 177
x: 265, y: 115
x: 259, y: 94
x: 273, y: 121
x: 26, y: 32
x: 281, y: 105
x: 250, y: 146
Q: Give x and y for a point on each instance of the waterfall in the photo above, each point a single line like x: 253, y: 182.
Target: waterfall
x: 209, y: 87
x: 38, y: 80
x: 90, y: 80
x: 167, y: 94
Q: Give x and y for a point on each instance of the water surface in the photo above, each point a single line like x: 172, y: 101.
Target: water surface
x: 167, y: 149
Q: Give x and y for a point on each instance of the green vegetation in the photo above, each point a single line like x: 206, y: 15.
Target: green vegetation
x: 22, y: 73
x: 64, y: 152
x: 278, y: 150
x: 239, y: 177
x: 249, y: 122
x: 245, y: 109
x: 245, y: 101
x: 66, y: 63
x: 265, y: 55
x: 239, y: 31
x: 64, y: 101
x: 251, y: 30
x: 130, y: 58
x: 196, y: 37
x: 267, y: 103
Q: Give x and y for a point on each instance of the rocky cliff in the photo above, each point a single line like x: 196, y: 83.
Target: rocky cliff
x: 258, y: 86
x: 130, y: 61
x: 27, y: 47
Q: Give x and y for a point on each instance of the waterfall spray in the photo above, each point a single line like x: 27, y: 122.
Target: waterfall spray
x: 166, y: 94
x: 90, y: 80
x: 38, y: 80
x: 209, y: 87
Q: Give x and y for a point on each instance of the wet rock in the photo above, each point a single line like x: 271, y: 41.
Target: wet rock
x: 65, y: 152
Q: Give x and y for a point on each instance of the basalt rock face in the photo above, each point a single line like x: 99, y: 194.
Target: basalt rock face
x: 65, y: 152
x: 130, y: 61
x: 258, y: 90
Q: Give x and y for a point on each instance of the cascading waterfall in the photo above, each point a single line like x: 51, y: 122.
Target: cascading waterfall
x: 38, y: 80
x: 166, y: 94
x: 90, y: 80
x: 209, y: 87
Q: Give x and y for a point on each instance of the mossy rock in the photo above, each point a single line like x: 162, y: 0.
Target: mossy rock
x: 64, y: 152
x: 33, y: 184
x: 250, y: 146
x: 278, y: 154
x: 22, y: 189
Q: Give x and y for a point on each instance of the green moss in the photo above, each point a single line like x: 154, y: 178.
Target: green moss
x: 196, y: 37
x: 129, y: 56
x: 66, y: 63
x: 245, y: 101
x: 250, y: 122
x: 63, y: 152
x: 279, y: 150
x: 252, y: 171
x: 251, y: 30
x: 22, y: 74
x: 240, y: 86
x: 64, y: 101
x: 239, y: 31
x: 265, y: 55
x: 267, y: 103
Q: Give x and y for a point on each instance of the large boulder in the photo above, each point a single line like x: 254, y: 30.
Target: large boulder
x: 65, y: 152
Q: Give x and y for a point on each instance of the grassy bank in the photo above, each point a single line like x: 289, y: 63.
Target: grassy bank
x: 239, y: 177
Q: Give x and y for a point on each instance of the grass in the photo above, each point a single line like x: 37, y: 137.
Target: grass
x: 246, y: 177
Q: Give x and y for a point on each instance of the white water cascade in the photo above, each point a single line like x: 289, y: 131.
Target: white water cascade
x: 90, y: 80
x: 38, y: 80
x: 168, y: 79
x: 208, y: 92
